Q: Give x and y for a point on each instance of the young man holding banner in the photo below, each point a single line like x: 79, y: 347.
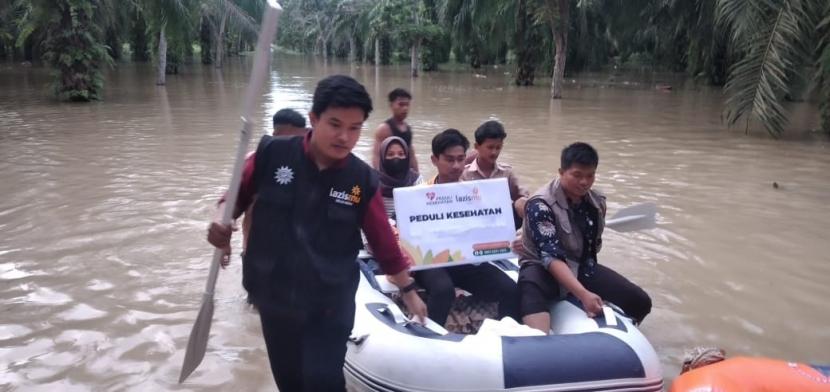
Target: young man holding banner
x: 313, y: 197
x: 562, y: 234
x: 484, y: 281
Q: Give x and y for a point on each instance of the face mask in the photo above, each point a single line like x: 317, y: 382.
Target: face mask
x: 396, y: 166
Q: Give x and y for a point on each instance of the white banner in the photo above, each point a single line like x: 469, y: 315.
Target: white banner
x: 457, y: 223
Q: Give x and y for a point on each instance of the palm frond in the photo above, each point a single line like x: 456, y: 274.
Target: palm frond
x: 822, y: 74
x: 744, y: 18
x: 240, y: 17
x: 771, y: 47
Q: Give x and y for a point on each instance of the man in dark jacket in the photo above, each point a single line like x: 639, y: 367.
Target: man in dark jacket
x: 312, y: 199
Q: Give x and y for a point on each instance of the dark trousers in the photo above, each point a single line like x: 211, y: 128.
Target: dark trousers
x: 484, y: 281
x: 307, y: 349
x: 538, y: 288
x: 615, y: 288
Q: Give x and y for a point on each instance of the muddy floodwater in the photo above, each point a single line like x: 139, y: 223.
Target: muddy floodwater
x: 104, y: 208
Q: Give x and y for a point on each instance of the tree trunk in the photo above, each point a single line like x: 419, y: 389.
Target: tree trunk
x: 325, y: 48
x: 824, y: 102
x: 377, y: 51
x: 220, y: 42
x: 475, y: 58
x: 162, y: 65
x: 29, y: 50
x: 413, y: 54
x: 352, y: 49
x: 139, y: 42
x: 8, y: 51
x: 560, y: 37
x: 525, y: 61
x: 205, y: 38
x: 74, y: 50
x: 113, y: 44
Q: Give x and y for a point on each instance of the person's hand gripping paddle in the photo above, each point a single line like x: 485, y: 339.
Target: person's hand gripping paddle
x: 197, y: 344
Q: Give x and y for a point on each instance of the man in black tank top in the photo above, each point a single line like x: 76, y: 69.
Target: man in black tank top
x: 399, y: 101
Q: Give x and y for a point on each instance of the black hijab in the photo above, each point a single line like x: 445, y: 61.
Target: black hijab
x: 389, y: 178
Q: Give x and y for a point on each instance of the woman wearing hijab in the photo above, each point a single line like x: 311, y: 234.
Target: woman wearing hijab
x: 394, y: 171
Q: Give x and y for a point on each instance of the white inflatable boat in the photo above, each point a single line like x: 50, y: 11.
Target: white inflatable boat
x: 388, y: 353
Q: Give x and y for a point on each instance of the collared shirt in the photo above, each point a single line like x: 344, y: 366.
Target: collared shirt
x: 472, y: 172
x: 434, y: 180
x: 542, y: 223
x: 375, y: 222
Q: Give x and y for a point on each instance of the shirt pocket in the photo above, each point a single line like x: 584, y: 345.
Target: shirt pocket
x: 341, y: 214
x: 340, y: 231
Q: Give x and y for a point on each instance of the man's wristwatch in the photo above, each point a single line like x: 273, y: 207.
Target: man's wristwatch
x: 409, y: 287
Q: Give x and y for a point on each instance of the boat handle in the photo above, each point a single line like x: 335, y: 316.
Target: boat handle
x: 358, y: 340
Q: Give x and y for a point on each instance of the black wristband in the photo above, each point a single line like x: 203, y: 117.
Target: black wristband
x: 409, y: 287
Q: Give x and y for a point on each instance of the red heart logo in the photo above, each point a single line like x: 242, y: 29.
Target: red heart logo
x: 431, y: 195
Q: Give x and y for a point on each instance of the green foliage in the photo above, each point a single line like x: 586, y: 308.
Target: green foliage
x: 771, y: 38
x: 481, y: 30
x: 822, y: 75
x: 764, y: 51
x: 176, y: 17
x: 73, y: 47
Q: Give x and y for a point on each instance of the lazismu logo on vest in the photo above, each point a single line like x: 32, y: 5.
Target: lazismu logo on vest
x: 348, y: 199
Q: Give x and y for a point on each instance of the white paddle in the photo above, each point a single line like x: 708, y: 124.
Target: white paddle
x: 636, y: 217
x: 197, y: 344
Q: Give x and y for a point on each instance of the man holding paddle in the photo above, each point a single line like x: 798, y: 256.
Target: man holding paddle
x: 561, y: 236
x: 312, y: 198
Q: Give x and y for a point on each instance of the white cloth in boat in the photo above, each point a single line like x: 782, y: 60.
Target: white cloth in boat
x: 506, y: 327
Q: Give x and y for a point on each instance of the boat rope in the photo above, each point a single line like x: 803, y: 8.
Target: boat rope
x: 701, y: 356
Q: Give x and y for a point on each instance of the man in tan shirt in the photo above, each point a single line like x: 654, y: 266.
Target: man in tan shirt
x: 489, y: 142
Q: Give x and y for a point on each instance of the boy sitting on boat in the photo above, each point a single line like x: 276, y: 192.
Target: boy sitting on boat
x: 489, y: 141
x: 484, y: 281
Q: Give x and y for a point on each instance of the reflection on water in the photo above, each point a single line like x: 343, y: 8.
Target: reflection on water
x: 104, y: 207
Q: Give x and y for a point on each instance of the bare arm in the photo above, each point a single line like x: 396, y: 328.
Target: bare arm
x: 413, y: 159
x: 562, y: 273
x: 471, y: 156
x: 219, y: 235
x: 516, y: 190
x: 381, y: 133
x: 517, y: 194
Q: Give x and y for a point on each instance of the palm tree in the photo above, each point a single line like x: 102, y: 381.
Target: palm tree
x: 414, y: 57
x: 558, y: 13
x: 12, y: 16
x: 775, y: 41
x: 823, y: 70
x: 380, y: 24
x: 529, y: 39
x: 219, y: 14
x: 73, y: 44
x: 347, y: 24
x: 167, y: 18
x: 479, y: 29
